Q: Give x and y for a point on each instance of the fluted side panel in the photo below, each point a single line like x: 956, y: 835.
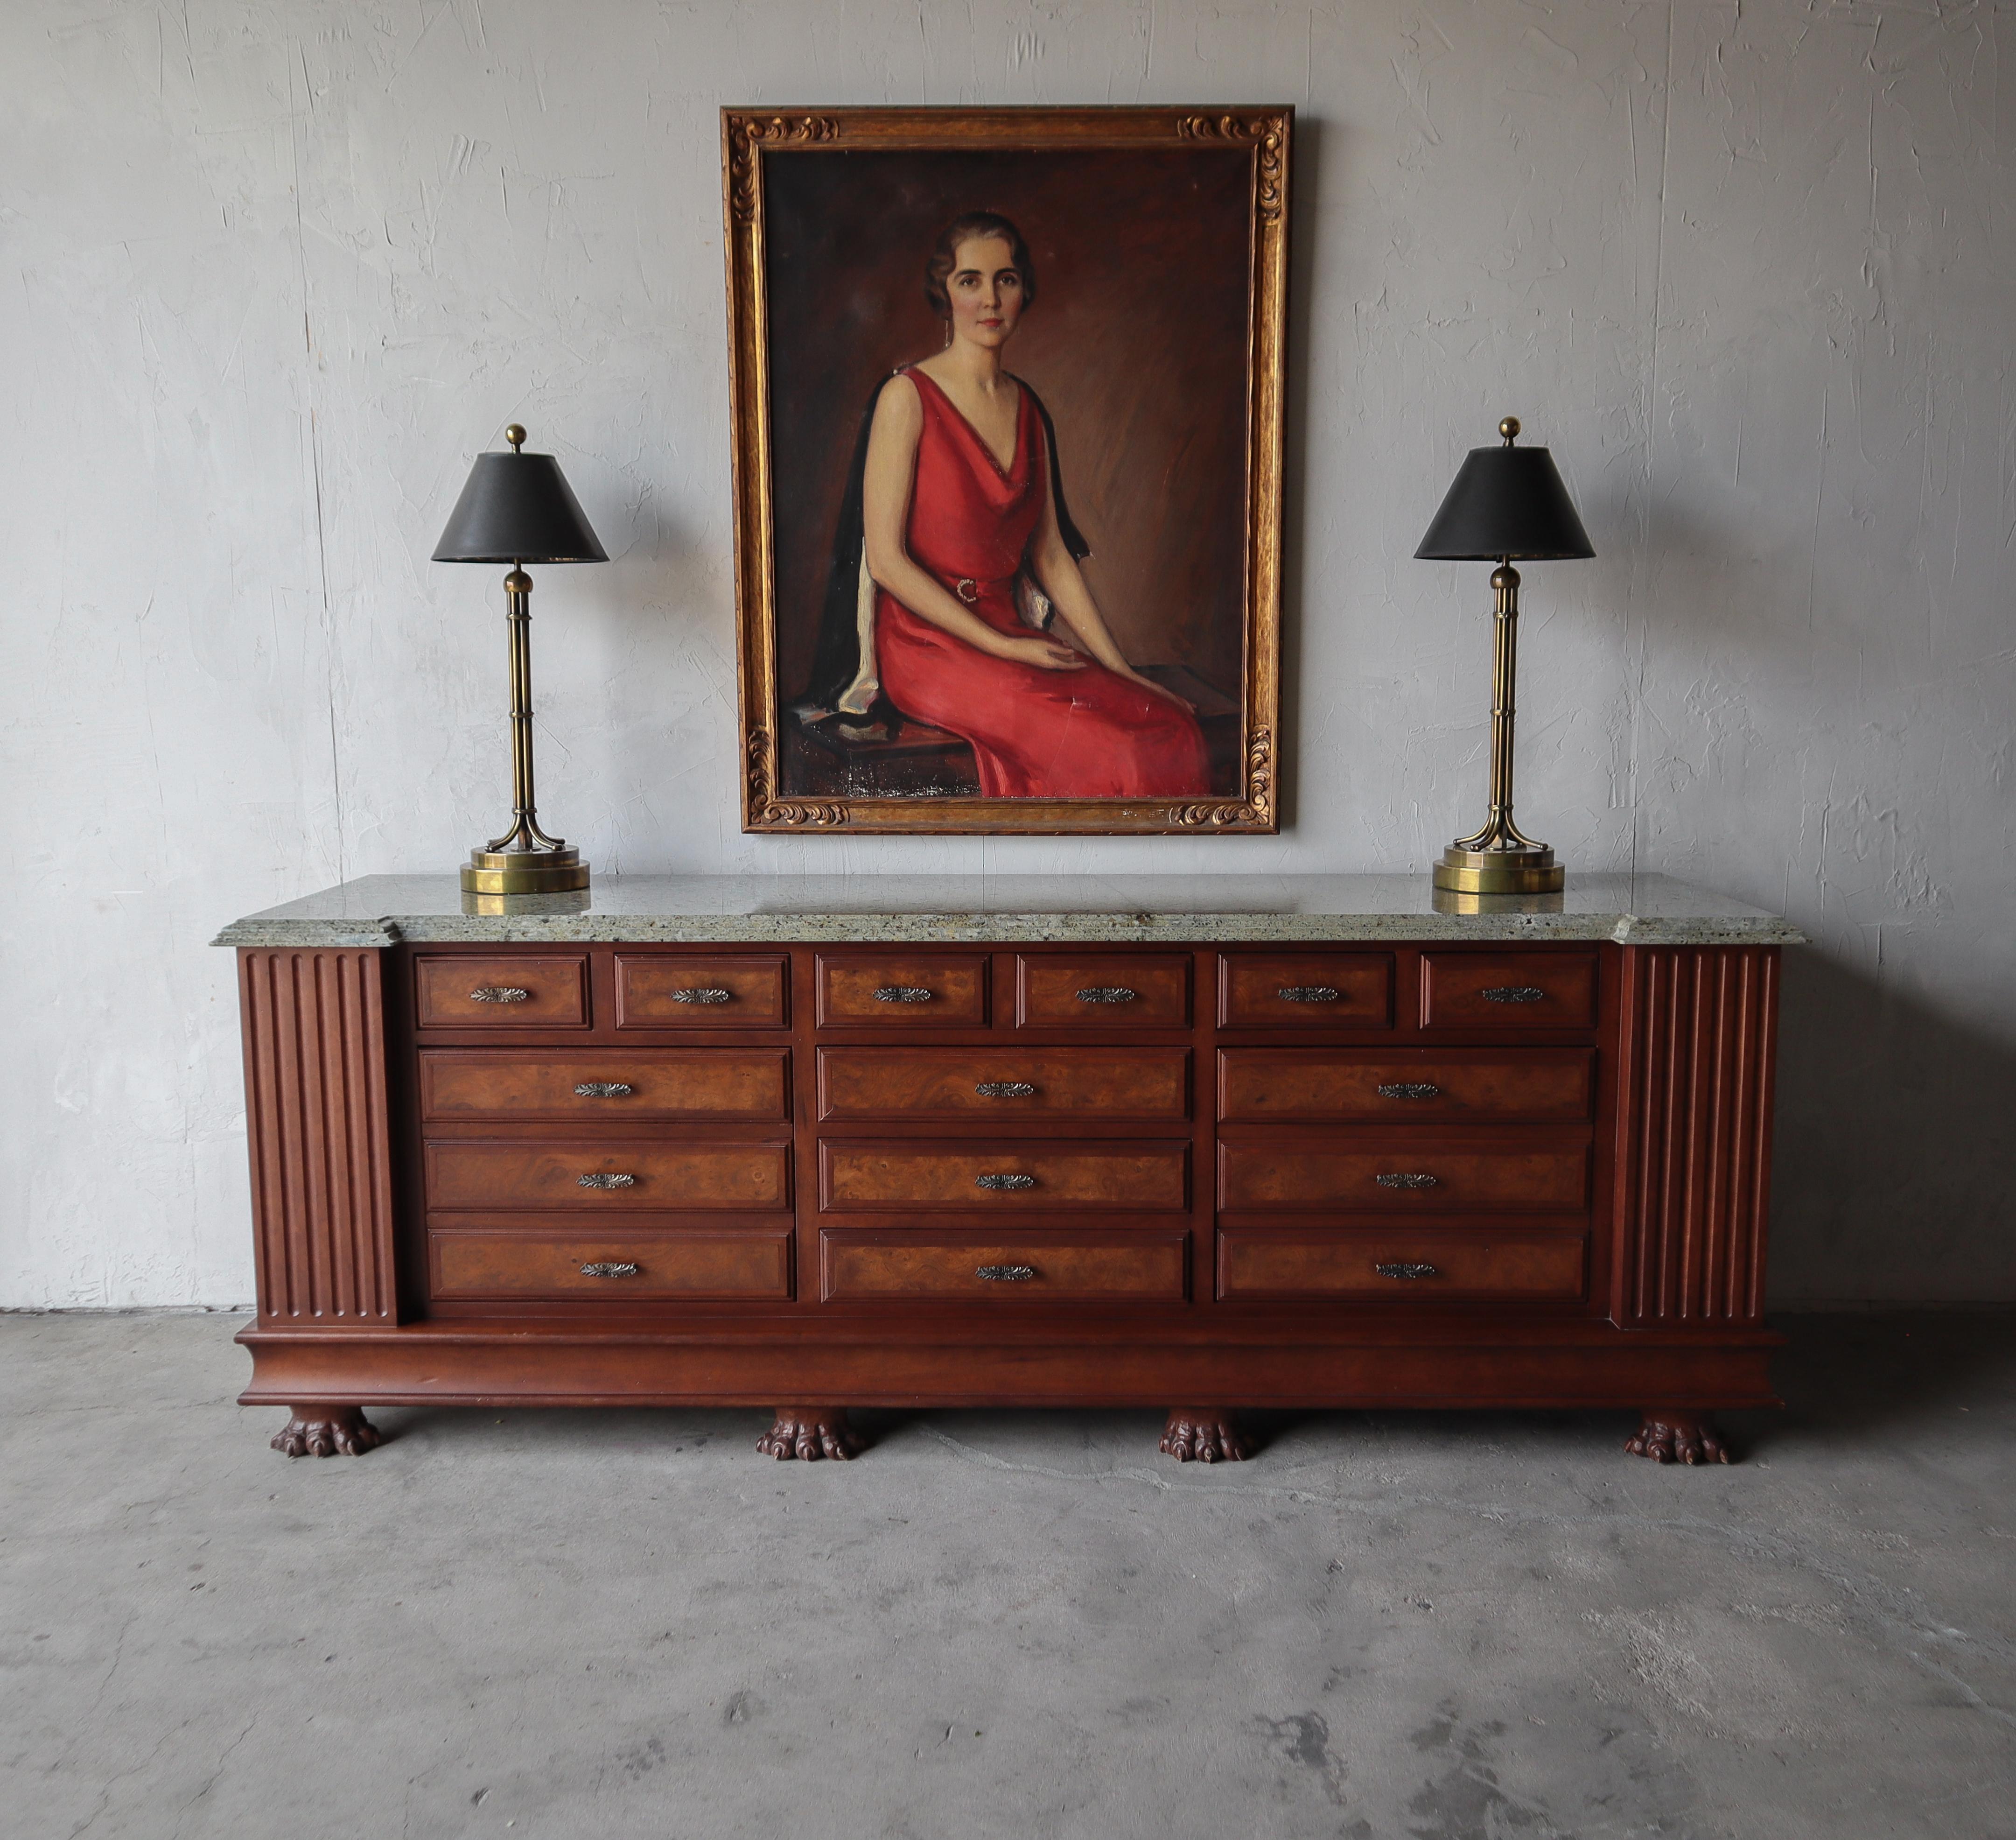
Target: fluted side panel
x: 1693, y: 1167
x: 316, y: 1117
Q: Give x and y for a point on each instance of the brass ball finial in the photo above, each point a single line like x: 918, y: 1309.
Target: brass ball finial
x: 1510, y: 429
x: 515, y: 435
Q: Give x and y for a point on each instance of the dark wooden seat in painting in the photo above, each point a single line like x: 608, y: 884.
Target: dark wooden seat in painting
x: 839, y: 758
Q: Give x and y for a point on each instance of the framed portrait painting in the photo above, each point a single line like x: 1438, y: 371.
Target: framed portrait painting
x: 1006, y: 411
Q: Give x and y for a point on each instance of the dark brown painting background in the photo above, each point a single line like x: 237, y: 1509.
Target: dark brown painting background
x: 1137, y: 345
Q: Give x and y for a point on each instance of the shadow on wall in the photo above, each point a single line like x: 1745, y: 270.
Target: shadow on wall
x: 1886, y: 1182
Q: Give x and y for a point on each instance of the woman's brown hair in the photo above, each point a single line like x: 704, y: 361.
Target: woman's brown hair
x: 945, y: 258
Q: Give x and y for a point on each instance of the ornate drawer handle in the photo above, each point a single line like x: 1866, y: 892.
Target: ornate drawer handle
x: 1410, y: 1089
x: 1308, y: 993
x: 602, y: 1089
x: 703, y: 996
x: 1406, y: 1268
x: 1004, y: 1182
x: 499, y: 993
x: 1405, y: 1181
x: 1108, y: 993
x: 599, y: 1180
x: 610, y: 1268
x: 1006, y: 1274
x: 901, y: 993
x: 1004, y: 1089
x: 1514, y: 993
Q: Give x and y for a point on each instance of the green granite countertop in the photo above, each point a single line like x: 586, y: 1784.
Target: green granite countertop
x: 1005, y: 910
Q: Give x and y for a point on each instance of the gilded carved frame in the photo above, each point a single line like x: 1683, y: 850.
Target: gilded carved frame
x: 750, y: 138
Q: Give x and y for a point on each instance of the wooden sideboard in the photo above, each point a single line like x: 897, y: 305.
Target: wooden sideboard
x: 818, y: 1158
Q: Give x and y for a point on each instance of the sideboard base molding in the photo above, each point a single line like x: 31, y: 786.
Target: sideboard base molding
x: 447, y: 1364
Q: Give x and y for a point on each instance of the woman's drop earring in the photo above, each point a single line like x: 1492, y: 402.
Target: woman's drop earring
x: 948, y: 343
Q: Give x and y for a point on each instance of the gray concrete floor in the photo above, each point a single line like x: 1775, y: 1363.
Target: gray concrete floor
x: 620, y: 1623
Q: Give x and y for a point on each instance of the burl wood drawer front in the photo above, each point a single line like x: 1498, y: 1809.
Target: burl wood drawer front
x: 1276, y: 1263
x: 1508, y: 990
x: 971, y: 1268
x: 1276, y: 1086
x: 1400, y: 1176
x: 1021, y: 1177
x: 471, y: 1173
x: 657, y: 990
x: 1305, y: 990
x: 1009, y: 1083
x: 745, y: 1084
x: 516, y: 992
x: 1103, y: 990
x: 902, y: 990
x: 613, y: 1268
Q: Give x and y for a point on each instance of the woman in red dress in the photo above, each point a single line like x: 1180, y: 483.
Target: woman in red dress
x: 957, y: 500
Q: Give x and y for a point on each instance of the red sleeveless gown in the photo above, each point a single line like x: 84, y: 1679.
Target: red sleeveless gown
x: 1035, y: 733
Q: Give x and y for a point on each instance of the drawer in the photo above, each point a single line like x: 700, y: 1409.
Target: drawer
x: 1400, y: 1266
x: 661, y: 990
x: 607, y: 1086
x: 1508, y: 990
x: 519, y: 991
x: 628, y: 1267
x: 1011, y: 1177
x: 472, y: 1173
x: 1266, y: 1086
x: 977, y: 1268
x: 1009, y: 1083
x: 1400, y: 1176
x: 903, y: 990
x: 1305, y: 990
x: 1103, y: 990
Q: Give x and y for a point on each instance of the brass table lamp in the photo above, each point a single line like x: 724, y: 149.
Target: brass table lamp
x: 1507, y: 504
x: 518, y: 508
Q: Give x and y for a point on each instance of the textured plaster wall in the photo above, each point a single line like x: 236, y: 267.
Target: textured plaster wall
x: 270, y: 273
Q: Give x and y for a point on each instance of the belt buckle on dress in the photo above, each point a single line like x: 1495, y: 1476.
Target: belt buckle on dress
x: 968, y: 589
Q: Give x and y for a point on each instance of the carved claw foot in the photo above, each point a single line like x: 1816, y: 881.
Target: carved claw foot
x: 1668, y: 1436
x: 808, y: 1433
x: 327, y: 1431
x: 1201, y: 1435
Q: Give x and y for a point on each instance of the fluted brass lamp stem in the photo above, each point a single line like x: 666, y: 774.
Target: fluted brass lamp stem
x: 524, y: 860
x: 1501, y: 858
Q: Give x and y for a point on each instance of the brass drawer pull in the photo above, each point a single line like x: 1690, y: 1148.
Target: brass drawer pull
x: 602, y: 1089
x: 499, y: 993
x: 1004, y: 1182
x: 1108, y: 993
x: 1410, y: 1089
x: 1006, y: 1274
x: 703, y: 996
x: 609, y: 1268
x: 599, y: 1180
x: 1405, y: 1181
x: 1514, y: 993
x: 1406, y: 1268
x: 1004, y: 1089
x: 901, y: 993
x: 1308, y: 993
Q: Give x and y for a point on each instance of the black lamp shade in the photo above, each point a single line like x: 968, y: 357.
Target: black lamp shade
x: 1506, y: 501
x: 518, y: 508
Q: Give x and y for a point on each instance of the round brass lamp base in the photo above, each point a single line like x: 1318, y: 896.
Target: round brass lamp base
x: 524, y: 872
x: 1500, y: 872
